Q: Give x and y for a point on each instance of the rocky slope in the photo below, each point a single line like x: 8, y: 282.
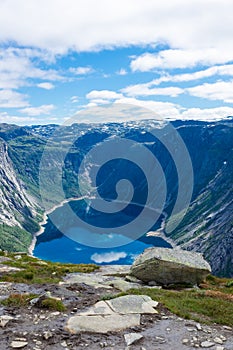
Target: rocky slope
x: 17, y: 208
x: 208, y: 226
x: 25, y: 322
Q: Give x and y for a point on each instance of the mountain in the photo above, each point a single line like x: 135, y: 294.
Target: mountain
x: 207, y: 226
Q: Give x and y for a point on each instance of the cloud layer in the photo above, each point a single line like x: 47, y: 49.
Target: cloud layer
x: 85, y: 25
x: 57, y: 57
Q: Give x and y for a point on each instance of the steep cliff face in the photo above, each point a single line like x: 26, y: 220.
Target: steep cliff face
x: 208, y: 225
x: 17, y: 208
x: 15, y: 202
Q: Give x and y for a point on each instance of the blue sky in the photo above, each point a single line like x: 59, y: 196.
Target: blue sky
x: 60, y: 57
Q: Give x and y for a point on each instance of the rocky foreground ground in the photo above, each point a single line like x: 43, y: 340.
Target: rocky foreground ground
x: 127, y: 322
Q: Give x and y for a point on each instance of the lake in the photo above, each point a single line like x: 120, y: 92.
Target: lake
x: 54, y: 246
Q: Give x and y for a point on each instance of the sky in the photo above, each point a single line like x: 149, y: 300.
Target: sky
x: 60, y: 57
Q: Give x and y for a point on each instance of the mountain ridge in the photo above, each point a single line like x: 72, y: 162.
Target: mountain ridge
x: 210, y: 147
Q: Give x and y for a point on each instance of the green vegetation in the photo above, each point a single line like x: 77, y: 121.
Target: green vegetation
x: 109, y: 296
x: 18, y: 300
x: 38, y: 271
x: 53, y: 304
x: 213, y: 303
x: 22, y: 300
x: 14, y: 238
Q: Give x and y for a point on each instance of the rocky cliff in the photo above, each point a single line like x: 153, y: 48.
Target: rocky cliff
x: 18, y: 209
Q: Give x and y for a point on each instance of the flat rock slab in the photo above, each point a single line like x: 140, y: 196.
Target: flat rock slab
x: 104, y: 278
x: 112, y: 315
x: 119, y: 270
x: 122, y: 285
x: 93, y: 280
x: 133, y: 304
x: 102, y: 323
x: 100, y: 308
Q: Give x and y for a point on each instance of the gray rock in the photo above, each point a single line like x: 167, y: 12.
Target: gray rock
x: 124, y: 286
x: 207, y: 344
x: 218, y: 340
x: 4, y: 319
x: 199, y: 327
x: 64, y: 344
x: 37, y: 301
x: 102, y: 324
x: 222, y: 337
x: 132, y: 338
x: 170, y: 266
x: 152, y: 283
x: 112, y: 315
x: 100, y: 308
x: 47, y: 335
x: 133, y: 304
x: 93, y: 280
x: 18, y: 344
x: 18, y: 257
x: 133, y: 279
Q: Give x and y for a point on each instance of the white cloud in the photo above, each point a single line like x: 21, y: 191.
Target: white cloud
x: 37, y: 111
x: 74, y: 99
x: 108, y: 257
x: 221, y: 90
x: 46, y: 86
x: 117, y: 112
x: 144, y: 90
x: 207, y: 114
x: 12, y: 99
x: 87, y: 24
x: 17, y: 68
x: 181, y: 58
x: 81, y: 70
x: 224, y: 70
x: 25, y: 120
x: 13, y: 119
x: 165, y: 110
x: 122, y: 71
x: 147, y: 89
x: 124, y: 109
x: 103, y: 95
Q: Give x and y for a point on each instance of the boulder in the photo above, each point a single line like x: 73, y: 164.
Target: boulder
x: 170, y: 266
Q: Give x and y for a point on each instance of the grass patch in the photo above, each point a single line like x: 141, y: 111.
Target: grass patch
x: 38, y: 271
x: 18, y: 300
x: 206, y: 306
x: 53, y: 304
x: 23, y: 300
x: 109, y: 296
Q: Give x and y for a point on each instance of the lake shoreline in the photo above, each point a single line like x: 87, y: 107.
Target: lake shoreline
x: 45, y: 221
x: 159, y: 233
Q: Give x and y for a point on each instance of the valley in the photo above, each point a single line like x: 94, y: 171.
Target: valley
x: 207, y: 226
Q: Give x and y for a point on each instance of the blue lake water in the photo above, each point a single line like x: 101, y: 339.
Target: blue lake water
x: 54, y: 246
